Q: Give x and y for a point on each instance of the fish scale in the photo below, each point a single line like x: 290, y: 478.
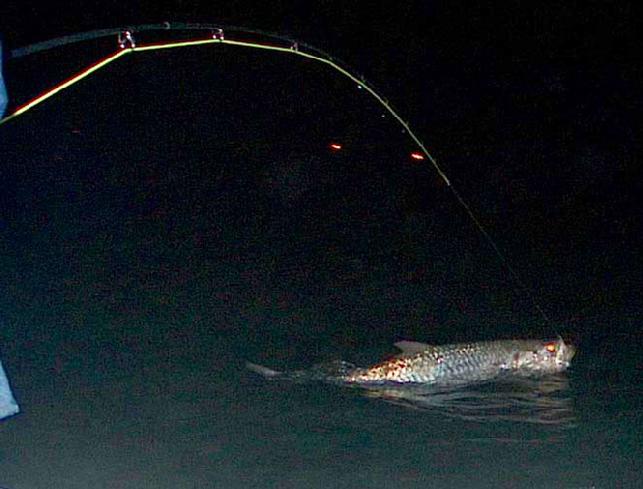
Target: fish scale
x: 466, y: 362
x: 420, y: 363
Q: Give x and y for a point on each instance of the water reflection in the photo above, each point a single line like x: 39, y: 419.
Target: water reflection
x: 544, y: 401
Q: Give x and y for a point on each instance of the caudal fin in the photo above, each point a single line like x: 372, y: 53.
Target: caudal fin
x: 261, y: 370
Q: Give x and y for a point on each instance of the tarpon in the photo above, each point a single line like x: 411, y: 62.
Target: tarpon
x: 458, y: 363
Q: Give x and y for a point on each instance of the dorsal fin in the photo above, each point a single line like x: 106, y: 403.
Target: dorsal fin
x: 412, y: 346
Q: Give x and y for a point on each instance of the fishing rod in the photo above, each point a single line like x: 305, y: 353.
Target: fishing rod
x: 128, y: 43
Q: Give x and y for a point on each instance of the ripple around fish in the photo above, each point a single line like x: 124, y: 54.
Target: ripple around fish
x: 544, y: 401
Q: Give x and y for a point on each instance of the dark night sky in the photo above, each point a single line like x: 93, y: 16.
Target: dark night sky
x: 529, y: 106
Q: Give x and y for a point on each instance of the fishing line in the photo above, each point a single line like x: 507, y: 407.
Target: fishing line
x: 128, y: 44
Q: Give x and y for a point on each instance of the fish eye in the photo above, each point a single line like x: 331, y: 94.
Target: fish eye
x: 551, y: 347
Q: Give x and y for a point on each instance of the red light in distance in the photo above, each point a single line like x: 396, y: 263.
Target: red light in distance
x: 335, y: 146
x: 417, y: 156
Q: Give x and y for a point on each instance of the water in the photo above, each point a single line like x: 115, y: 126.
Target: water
x: 144, y: 264
x: 215, y: 426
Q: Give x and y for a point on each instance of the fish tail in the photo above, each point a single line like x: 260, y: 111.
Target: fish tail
x: 261, y: 370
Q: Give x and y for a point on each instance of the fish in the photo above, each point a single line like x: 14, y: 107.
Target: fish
x: 449, y: 364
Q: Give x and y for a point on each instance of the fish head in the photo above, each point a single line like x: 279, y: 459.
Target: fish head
x: 546, y: 357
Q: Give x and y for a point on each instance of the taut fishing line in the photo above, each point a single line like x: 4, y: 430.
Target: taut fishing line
x: 128, y: 44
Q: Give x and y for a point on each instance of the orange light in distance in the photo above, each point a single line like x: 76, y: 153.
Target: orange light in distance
x: 417, y: 156
x: 335, y: 146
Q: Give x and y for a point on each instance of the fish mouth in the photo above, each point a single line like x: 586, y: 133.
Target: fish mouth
x: 567, y: 352
x: 571, y: 352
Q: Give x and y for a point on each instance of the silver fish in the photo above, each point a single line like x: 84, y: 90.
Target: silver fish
x: 458, y: 363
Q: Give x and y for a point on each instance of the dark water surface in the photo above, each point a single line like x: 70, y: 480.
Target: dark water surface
x: 150, y: 248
